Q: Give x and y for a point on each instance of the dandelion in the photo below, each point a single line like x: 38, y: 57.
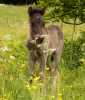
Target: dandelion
x: 82, y: 60
x: 59, y: 96
x: 52, y: 97
x: 47, y: 68
x: 36, y: 78
x: 12, y: 57
x: 28, y: 86
x: 34, y: 87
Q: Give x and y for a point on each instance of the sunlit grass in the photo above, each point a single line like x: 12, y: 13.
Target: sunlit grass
x: 14, y: 77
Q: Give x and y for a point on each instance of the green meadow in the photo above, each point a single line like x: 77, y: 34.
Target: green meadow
x: 14, y: 78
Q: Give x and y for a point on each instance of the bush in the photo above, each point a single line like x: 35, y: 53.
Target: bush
x: 74, y: 52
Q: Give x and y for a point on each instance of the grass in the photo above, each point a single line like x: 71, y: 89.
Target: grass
x: 13, y: 61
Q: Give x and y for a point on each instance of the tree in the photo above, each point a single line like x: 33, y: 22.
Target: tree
x: 67, y: 11
x: 18, y: 2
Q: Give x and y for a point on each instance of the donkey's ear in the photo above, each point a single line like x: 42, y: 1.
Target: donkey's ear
x: 30, y: 10
x: 43, y: 11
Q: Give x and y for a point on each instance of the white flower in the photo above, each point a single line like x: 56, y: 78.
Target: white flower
x: 8, y: 37
x: 5, y: 49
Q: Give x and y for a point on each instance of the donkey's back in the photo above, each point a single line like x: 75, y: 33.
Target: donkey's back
x: 55, y: 38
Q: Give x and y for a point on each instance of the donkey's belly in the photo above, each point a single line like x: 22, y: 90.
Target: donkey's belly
x: 53, y: 42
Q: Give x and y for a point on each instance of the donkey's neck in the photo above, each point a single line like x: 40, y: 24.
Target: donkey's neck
x: 36, y: 29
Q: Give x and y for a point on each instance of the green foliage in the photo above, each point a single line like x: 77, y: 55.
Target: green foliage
x: 74, y: 52
x: 65, y: 10
x: 18, y: 2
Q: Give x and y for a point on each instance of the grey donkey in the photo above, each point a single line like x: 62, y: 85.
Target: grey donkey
x: 45, y: 44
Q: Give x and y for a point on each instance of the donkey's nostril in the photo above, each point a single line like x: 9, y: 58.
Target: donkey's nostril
x: 38, y: 19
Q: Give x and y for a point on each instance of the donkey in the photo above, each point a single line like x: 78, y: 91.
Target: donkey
x: 45, y: 44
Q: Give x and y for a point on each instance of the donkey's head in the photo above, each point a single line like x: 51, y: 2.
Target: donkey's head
x: 35, y: 15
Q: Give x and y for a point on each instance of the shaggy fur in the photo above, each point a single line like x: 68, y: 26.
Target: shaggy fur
x: 45, y: 43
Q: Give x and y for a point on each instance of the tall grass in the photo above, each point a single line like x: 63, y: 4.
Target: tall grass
x: 14, y: 78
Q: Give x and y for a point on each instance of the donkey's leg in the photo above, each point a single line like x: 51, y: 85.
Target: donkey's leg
x: 32, y: 63
x: 54, y: 75
x: 42, y: 66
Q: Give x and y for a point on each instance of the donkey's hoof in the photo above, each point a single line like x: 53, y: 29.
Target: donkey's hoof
x: 31, y: 79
